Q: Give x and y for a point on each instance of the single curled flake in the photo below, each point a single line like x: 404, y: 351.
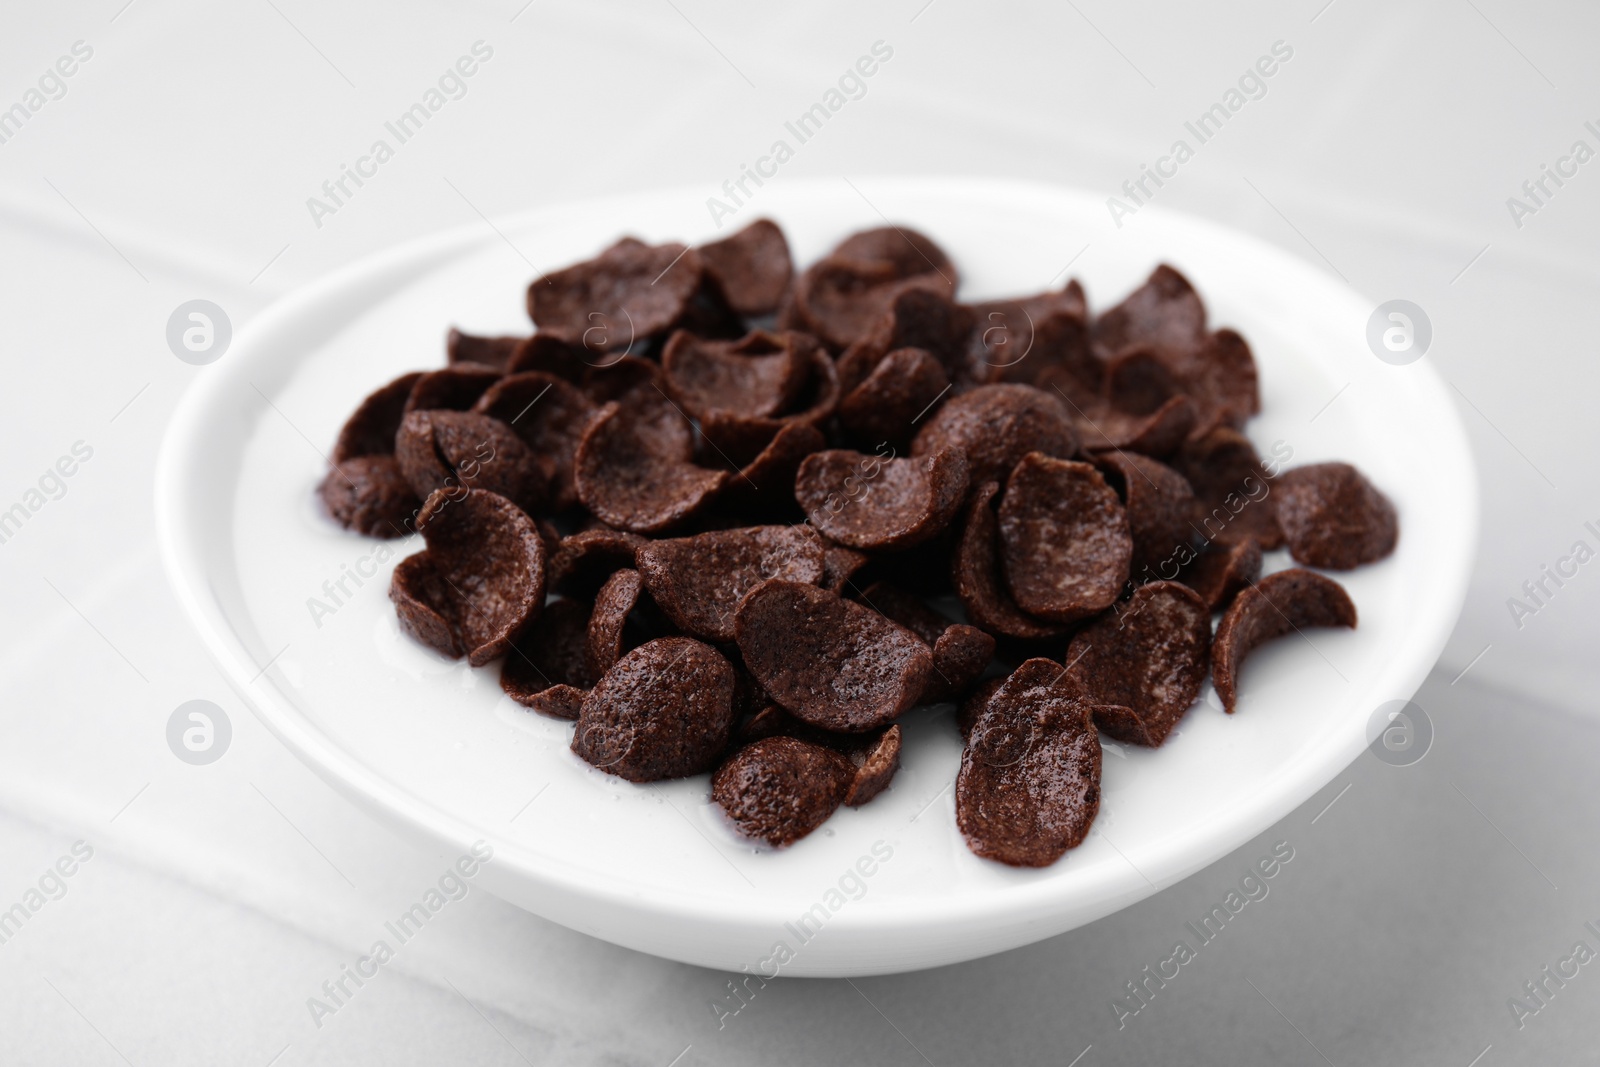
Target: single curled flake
x: 960, y: 652
x: 550, y: 415
x: 583, y: 561
x: 629, y: 294
x: 1281, y: 603
x: 876, y: 754
x: 975, y: 571
x: 737, y: 438
x: 698, y: 581
x: 769, y: 476
x: 841, y: 566
x: 867, y: 502
x: 1159, y: 434
x: 370, y: 429
x: 664, y: 710
x: 608, y: 622
x: 832, y: 662
x: 1332, y: 517
x: 1137, y: 382
x: 841, y: 300
x: 1142, y: 665
x: 779, y: 789
x: 1160, y: 507
x: 917, y: 317
x: 760, y: 375
x: 452, y: 449
x: 1221, y: 376
x: 480, y: 580
x: 973, y: 706
x: 549, y: 354
x: 1064, y: 540
x: 1235, y: 496
x: 752, y: 267
x: 996, y: 425
x: 634, y: 470
x: 1029, y: 784
x: 1023, y: 340
x: 1165, y: 312
x: 370, y: 495
x: 887, y: 405
x: 1221, y: 570
x: 493, y: 352
x: 455, y: 388
x: 547, y: 663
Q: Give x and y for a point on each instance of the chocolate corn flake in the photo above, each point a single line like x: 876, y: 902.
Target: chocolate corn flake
x: 1221, y: 570
x: 455, y: 388
x: 875, y: 768
x: 1160, y: 507
x: 634, y: 470
x: 550, y: 415
x: 752, y: 267
x: 875, y: 755
x: 583, y: 561
x: 698, y: 581
x: 664, y: 710
x: 770, y: 474
x: 549, y: 354
x: 627, y: 295
x: 832, y: 662
x: 960, y: 652
x: 1286, y: 602
x: 463, y: 449
x: 761, y: 374
x: 606, y: 638
x: 493, y: 352
x: 547, y: 663
x: 973, y: 706
x: 886, y: 406
x: 868, y: 502
x: 1159, y: 434
x: 779, y: 789
x: 1137, y: 382
x: 1235, y: 496
x: 370, y: 429
x: 1029, y: 784
x: 480, y: 580
x: 977, y: 577
x: 1023, y: 340
x: 738, y: 438
x: 841, y: 566
x: 1165, y: 312
x: 996, y: 425
x: 370, y: 495
x: 1332, y: 517
x: 1065, y: 546
x: 1146, y: 661
x: 917, y: 317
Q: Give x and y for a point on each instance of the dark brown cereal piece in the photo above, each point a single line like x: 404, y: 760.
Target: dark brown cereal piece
x: 1221, y: 377
x: 448, y: 449
x: 917, y: 317
x: 779, y: 789
x: 866, y: 502
x: 901, y: 249
x: 976, y: 574
x: 996, y: 425
x: 621, y: 377
x: 629, y: 293
x: 370, y: 429
x: 1146, y: 661
x: 584, y: 560
x: 874, y: 768
x: 832, y: 662
x: 1278, y: 604
x: 1002, y: 344
x: 770, y: 475
x: 1062, y: 359
x: 1233, y: 491
x: 1160, y: 507
x: 1165, y: 312
x: 370, y: 495
x: 551, y: 355
x: 909, y: 610
x: 493, y: 352
x: 1158, y: 434
x: 1064, y: 540
x: 664, y: 710
x: 886, y: 406
x: 480, y: 580
x: 634, y: 470
x: 698, y: 581
x: 1220, y: 571
x: 455, y: 388
x: 840, y: 300
x: 1029, y: 784
x: 973, y: 706
x: 960, y: 656
x: 605, y: 642
x: 550, y: 415
x: 739, y: 438
x: 549, y: 655
x: 1333, y: 517
x: 840, y: 566
x: 1137, y: 382
x: 761, y: 374
x: 752, y: 267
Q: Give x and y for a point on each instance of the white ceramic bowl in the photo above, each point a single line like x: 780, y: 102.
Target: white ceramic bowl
x: 434, y: 748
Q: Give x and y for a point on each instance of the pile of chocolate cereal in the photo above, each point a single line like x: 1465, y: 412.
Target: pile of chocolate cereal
x: 735, y: 520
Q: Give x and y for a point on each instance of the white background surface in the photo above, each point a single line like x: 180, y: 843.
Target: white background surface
x: 177, y: 166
